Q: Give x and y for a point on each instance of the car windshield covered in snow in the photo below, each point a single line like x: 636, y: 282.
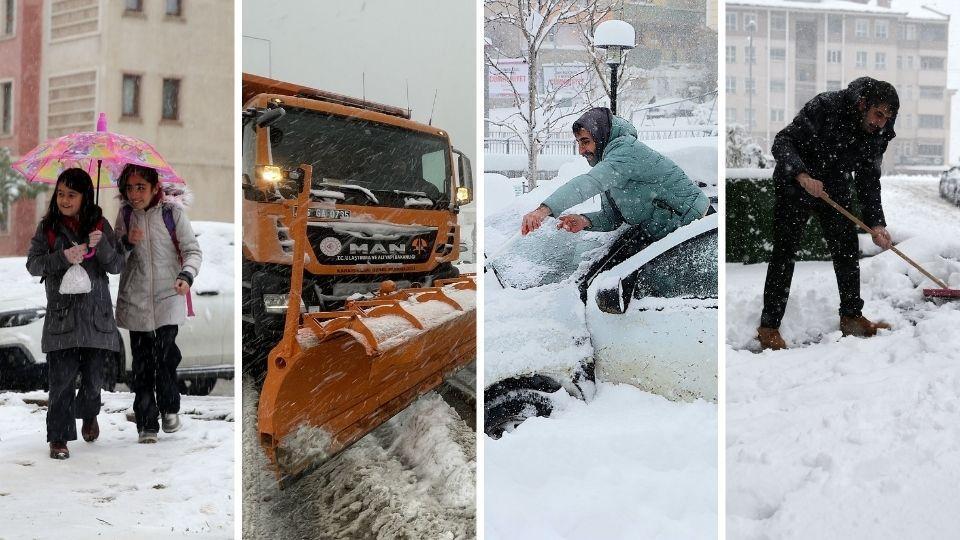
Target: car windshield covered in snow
x: 357, y: 161
x: 549, y: 255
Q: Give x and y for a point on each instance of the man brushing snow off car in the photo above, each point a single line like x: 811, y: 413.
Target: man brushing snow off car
x: 835, y: 136
x: 638, y: 185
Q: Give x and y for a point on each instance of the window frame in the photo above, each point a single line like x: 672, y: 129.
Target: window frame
x: 163, y: 99
x: 136, y: 96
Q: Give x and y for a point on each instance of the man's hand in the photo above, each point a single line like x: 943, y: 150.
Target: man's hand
x: 75, y: 254
x: 533, y: 220
x: 812, y: 185
x: 95, y: 238
x: 181, y: 287
x: 573, y: 223
x: 135, y: 235
x: 881, y: 237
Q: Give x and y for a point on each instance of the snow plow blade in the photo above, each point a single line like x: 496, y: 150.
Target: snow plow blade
x: 343, y: 373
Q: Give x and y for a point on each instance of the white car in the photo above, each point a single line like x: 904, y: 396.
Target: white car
x: 206, y: 340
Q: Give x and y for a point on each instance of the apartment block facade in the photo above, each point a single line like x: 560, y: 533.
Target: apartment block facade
x: 781, y: 53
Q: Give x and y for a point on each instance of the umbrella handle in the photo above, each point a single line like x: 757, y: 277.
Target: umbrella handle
x: 90, y: 253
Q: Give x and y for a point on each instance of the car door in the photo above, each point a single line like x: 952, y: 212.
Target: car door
x: 662, y: 335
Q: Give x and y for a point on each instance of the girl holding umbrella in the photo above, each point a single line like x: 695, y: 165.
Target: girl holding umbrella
x: 79, y: 330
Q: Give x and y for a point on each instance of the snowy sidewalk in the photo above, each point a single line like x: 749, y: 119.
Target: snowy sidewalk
x: 844, y: 437
x: 115, y: 488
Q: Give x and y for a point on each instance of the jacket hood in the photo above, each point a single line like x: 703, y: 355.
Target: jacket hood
x: 598, y: 122
x: 855, y: 91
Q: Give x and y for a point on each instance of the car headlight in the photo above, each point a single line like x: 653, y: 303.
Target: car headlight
x: 21, y: 317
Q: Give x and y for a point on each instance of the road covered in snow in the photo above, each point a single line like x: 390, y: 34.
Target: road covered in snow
x: 114, y: 487
x: 845, y: 437
x: 413, y: 477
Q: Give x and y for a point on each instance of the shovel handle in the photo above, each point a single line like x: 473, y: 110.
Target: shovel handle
x: 863, y: 226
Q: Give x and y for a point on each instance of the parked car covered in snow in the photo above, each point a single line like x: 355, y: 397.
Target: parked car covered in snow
x: 950, y: 185
x: 564, y: 310
x: 206, y: 341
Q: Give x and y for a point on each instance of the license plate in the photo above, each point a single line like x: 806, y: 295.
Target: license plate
x: 328, y: 213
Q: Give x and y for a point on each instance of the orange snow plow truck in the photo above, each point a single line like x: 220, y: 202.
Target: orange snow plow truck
x: 352, y: 307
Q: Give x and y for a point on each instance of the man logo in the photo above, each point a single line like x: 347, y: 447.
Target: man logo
x: 330, y: 246
x: 420, y: 245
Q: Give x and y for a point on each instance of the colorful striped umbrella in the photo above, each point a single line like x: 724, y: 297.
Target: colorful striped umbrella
x: 92, y: 151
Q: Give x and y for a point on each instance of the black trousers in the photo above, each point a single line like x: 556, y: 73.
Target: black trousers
x: 63, y: 406
x: 790, y: 215
x: 155, y: 360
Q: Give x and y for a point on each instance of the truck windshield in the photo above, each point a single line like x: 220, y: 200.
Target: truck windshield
x: 401, y: 168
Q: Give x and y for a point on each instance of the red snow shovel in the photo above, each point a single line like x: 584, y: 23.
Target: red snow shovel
x: 943, y: 292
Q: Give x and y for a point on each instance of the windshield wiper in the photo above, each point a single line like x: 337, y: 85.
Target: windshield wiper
x: 352, y: 187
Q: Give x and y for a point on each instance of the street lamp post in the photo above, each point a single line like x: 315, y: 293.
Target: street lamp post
x: 751, y: 58
x: 615, y: 37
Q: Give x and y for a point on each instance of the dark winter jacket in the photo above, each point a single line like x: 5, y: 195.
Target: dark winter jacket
x: 76, y: 320
x: 826, y: 140
x: 640, y: 186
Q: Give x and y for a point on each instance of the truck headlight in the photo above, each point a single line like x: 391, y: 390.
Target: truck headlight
x: 270, y: 173
x: 463, y: 195
x: 21, y: 317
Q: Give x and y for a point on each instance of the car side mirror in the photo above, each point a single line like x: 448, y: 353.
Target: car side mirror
x: 610, y: 299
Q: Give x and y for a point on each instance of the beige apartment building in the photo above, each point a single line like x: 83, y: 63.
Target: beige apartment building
x: 781, y: 53
x: 161, y: 71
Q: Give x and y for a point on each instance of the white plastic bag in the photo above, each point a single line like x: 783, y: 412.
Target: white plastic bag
x: 75, y: 281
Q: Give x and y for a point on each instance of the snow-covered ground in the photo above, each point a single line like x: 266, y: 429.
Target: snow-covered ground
x: 183, y: 486
x: 849, y: 437
x: 413, y: 477
x: 626, y: 464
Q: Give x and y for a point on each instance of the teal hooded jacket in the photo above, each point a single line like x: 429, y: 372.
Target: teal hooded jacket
x: 639, y: 185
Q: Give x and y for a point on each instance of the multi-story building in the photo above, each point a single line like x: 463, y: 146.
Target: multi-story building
x: 161, y: 71
x: 20, y: 39
x: 781, y: 53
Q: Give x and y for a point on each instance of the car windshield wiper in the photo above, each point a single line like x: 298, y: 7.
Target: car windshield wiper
x: 351, y: 187
x: 409, y: 201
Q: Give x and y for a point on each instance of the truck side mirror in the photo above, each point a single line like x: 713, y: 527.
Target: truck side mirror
x: 464, y: 178
x: 270, y: 116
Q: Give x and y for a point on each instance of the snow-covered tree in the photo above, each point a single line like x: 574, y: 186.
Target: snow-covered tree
x: 13, y: 185
x: 742, y: 152
x: 537, y: 112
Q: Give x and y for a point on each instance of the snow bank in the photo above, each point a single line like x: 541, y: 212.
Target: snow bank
x: 627, y: 465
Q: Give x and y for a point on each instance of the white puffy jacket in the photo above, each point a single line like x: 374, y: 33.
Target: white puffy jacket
x: 147, y: 299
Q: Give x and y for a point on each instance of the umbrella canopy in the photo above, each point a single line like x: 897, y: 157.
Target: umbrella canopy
x: 96, y: 152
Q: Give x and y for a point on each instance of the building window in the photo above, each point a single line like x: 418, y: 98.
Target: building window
x: 833, y: 86
x: 862, y: 28
x: 880, y: 29
x: 750, y: 22
x: 931, y: 92
x: 931, y: 63
x: 910, y: 32
x: 731, y: 85
x: 880, y: 60
x: 134, y: 5
x: 910, y: 61
x: 899, y: 62
x: 861, y: 59
x: 908, y: 92
x: 933, y: 32
x: 835, y: 25
x: 931, y: 121
x: 778, y: 86
x: 131, y: 95
x: 731, y: 115
x: 751, y: 118
x: 834, y: 56
x: 930, y: 149
x: 731, y: 22
x: 171, y: 99
x: 173, y: 8
x: 778, y: 54
x: 731, y: 54
x: 750, y: 85
x: 750, y: 55
x: 776, y: 115
x: 6, y: 108
x: 8, y: 17
x: 778, y: 22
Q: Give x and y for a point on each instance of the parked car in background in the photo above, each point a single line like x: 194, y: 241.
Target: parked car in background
x: 206, y: 340
x: 950, y: 185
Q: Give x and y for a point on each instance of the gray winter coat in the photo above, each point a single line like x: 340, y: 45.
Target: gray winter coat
x: 76, y: 320
x: 147, y: 299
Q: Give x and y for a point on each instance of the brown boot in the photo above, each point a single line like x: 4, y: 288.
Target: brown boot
x: 770, y: 338
x: 861, y: 326
x: 90, y: 429
x: 58, y: 450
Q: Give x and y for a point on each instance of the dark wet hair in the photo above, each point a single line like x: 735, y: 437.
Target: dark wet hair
x: 147, y: 173
x: 876, y: 93
x: 89, y: 214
